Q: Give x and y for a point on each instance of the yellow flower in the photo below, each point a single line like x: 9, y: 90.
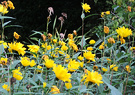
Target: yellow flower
x: 54, y: 40
x: 107, y: 12
x: 68, y: 85
x: 132, y: 48
x: 89, y: 56
x: 101, y: 47
x: 6, y: 87
x: 3, y: 61
x: 25, y: 61
x: 113, y: 67
x: 17, y: 74
x: 17, y: 47
x: 49, y: 47
x: 54, y: 90
x: 122, y: 41
x: 108, y: 60
x: 44, y: 84
x: 70, y: 36
x: 61, y: 52
x: 93, y: 77
x: 73, y: 65
x: 80, y: 58
x: 10, y: 5
x: 86, y: 7
x: 44, y: 45
x: 104, y: 69
x: 89, y: 48
x: 128, y: 68
x: 111, y: 40
x: 92, y: 41
x: 49, y: 63
x: 62, y: 73
x: 124, y: 32
x: 102, y: 14
x: 95, y: 68
x: 64, y: 48
x: 74, y: 46
x: 16, y: 35
x: 3, y: 9
x: 61, y: 43
x: 32, y: 63
x: 39, y: 68
x: 33, y: 48
x: 49, y: 35
x: 106, y: 29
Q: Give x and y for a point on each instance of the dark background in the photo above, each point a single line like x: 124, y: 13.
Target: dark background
x: 32, y: 15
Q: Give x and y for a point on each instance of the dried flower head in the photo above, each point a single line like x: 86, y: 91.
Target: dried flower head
x: 43, y: 37
x: 64, y: 14
x: 51, y: 11
x: 61, y: 20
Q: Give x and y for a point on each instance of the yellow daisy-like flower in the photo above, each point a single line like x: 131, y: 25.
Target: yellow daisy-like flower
x: 54, y: 41
x: 101, y: 47
x: 113, y: 67
x: 89, y: 48
x: 3, y: 9
x: 10, y: 4
x: 16, y: 35
x: 3, y: 61
x: 107, y: 12
x: 68, y: 85
x: 17, y: 74
x: 124, y: 32
x: 86, y: 7
x: 80, y: 58
x: 106, y: 29
x: 128, y: 68
x: 33, y: 48
x: 104, y: 69
x: 25, y: 61
x: 6, y: 87
x: 70, y: 36
x: 39, y: 68
x: 93, y: 77
x: 92, y: 41
x: 89, y: 56
x: 62, y: 73
x: 49, y: 63
x: 54, y: 90
x: 32, y: 63
x: 64, y: 48
x: 49, y: 47
x: 73, y: 65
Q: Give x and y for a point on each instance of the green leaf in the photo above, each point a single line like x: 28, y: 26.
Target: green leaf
x: 6, y: 17
x: 1, y: 48
x: 82, y: 43
x: 114, y: 91
x: 15, y: 62
x: 22, y: 93
x: 76, y: 55
x: 83, y: 16
x: 6, y: 23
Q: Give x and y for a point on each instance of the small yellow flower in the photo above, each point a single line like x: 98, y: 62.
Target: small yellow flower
x: 102, y: 14
x: 89, y: 48
x: 124, y: 32
x: 17, y: 74
x: 101, y: 47
x: 89, y: 56
x: 49, y: 47
x: 16, y: 35
x: 10, y: 4
x: 132, y: 48
x: 68, y: 85
x: 62, y: 73
x: 128, y: 68
x: 33, y: 48
x: 32, y: 63
x: 80, y: 58
x: 108, y: 60
x: 70, y: 36
x: 64, y: 48
x: 44, y: 84
x: 45, y: 57
x: 104, y: 69
x: 39, y: 68
x: 106, y: 29
x: 49, y: 63
x: 25, y: 61
x: 3, y: 9
x: 113, y: 67
x: 54, y: 41
x: 6, y: 87
x: 111, y: 40
x: 107, y: 12
x: 3, y: 61
x: 92, y: 41
x: 86, y: 7
x: 54, y: 90
x: 73, y: 65
x: 122, y: 41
